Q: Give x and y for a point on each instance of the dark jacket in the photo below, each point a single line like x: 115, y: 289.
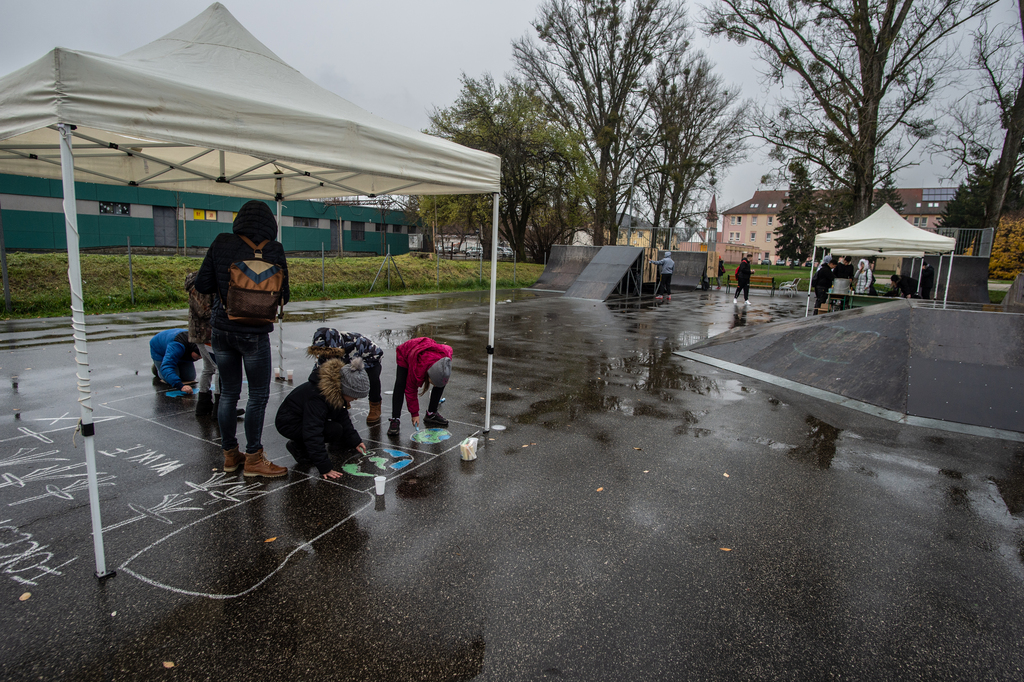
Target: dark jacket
x: 345, y: 345
x: 906, y: 286
x: 743, y: 272
x: 825, y: 277
x: 305, y: 412
x: 843, y: 271
x: 256, y: 221
x: 927, y: 277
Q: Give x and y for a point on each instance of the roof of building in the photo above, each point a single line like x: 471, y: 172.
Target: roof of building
x: 916, y: 201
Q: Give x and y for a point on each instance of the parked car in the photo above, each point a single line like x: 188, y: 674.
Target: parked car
x: 766, y: 261
x: 780, y: 261
x: 505, y: 252
x: 474, y: 251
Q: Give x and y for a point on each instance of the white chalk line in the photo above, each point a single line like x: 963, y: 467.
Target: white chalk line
x: 155, y: 583
x: 178, y: 590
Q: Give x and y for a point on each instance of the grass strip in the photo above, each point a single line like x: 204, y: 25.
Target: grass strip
x: 39, y: 281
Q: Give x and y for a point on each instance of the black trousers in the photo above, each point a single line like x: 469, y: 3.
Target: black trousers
x: 820, y: 297
x: 398, y: 399
x: 743, y: 286
x: 665, y: 287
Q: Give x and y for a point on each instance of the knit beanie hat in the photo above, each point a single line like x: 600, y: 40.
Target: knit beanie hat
x: 354, y: 382
x: 440, y: 372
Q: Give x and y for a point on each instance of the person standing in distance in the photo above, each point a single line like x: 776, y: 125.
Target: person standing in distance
x: 927, y: 280
x: 743, y: 273
x: 668, y: 266
x: 243, y: 344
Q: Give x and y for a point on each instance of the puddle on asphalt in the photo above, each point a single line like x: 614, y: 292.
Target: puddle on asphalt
x: 820, y: 448
x: 1011, y: 486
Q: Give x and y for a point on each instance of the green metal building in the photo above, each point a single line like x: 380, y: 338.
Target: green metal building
x: 32, y: 216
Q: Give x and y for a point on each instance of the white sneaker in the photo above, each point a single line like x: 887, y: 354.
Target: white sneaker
x: 734, y: 301
x: 747, y: 302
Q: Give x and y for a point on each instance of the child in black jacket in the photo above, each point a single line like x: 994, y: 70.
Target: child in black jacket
x: 317, y: 411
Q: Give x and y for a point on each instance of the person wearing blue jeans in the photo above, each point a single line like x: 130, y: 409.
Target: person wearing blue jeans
x: 237, y: 352
x: 243, y: 344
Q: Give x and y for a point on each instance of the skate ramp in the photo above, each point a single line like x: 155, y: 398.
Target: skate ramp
x: 564, y: 265
x: 690, y: 268
x: 956, y: 366
x: 606, y: 270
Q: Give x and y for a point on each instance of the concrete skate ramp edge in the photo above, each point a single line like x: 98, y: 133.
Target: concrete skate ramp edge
x: 565, y: 263
x: 948, y: 365
x: 604, y: 272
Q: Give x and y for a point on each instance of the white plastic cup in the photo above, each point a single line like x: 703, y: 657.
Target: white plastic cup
x: 378, y: 484
x: 277, y: 372
x: 291, y: 374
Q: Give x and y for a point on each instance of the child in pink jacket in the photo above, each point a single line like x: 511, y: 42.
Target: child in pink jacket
x: 421, y: 363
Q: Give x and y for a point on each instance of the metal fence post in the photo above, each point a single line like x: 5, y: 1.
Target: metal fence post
x: 131, y: 276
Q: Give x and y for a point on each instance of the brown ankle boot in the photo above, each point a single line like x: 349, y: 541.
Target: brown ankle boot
x: 374, y: 416
x: 258, y: 465
x: 232, y: 458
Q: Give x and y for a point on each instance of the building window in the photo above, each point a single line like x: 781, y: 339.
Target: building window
x: 753, y: 237
x: 767, y: 236
x: 305, y: 222
x: 924, y: 222
x: 413, y: 229
x: 358, y: 232
x: 114, y: 208
x: 769, y: 221
x: 732, y: 220
x: 773, y: 205
x: 753, y: 205
x: 753, y: 220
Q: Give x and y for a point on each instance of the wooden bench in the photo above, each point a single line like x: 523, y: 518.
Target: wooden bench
x: 759, y: 281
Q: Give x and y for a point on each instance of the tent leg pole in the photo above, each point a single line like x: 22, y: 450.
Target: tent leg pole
x: 949, y: 271
x: 280, y: 323
x: 3, y: 266
x: 938, y: 278
x: 67, y: 164
x: 491, y: 314
x: 807, y: 308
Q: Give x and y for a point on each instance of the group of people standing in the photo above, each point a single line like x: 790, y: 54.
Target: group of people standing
x: 229, y: 329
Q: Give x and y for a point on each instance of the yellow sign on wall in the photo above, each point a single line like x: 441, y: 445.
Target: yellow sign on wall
x: 198, y: 214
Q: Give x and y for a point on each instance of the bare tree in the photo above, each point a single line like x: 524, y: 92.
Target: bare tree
x: 697, y: 131
x: 865, y: 70
x: 590, y: 69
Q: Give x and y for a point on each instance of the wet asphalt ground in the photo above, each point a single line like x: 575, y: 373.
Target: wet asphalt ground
x: 642, y: 517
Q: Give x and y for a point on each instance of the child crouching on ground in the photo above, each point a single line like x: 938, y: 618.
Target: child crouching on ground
x: 421, y: 363
x: 317, y: 411
x: 330, y: 343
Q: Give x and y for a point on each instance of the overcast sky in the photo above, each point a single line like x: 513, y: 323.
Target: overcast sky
x: 398, y: 59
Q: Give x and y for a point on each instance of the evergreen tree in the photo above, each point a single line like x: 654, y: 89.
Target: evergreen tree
x: 797, y: 220
x: 888, y: 194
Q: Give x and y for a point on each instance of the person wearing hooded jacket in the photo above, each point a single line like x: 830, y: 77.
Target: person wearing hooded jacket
x: 239, y: 346
x: 822, y: 282
x: 317, y: 412
x: 421, y: 363
x: 668, y: 266
x: 173, y: 358
x: 330, y: 343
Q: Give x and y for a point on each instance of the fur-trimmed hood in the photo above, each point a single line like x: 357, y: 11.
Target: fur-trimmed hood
x: 329, y: 383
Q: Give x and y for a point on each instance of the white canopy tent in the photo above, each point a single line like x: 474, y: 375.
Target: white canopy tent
x: 208, y: 108
x: 883, y: 233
